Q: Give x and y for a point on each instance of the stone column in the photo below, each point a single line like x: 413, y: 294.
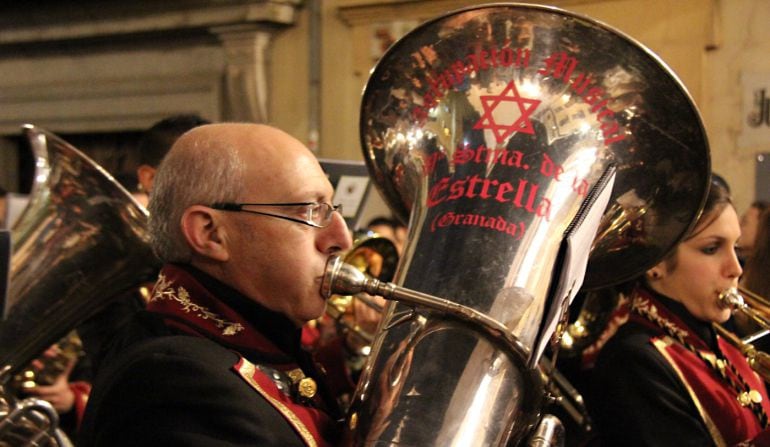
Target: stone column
x: 247, y: 65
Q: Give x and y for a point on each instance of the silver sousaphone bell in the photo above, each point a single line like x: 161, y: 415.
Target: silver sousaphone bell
x: 515, y: 139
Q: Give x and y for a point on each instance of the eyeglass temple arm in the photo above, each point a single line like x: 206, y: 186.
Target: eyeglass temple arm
x: 227, y: 206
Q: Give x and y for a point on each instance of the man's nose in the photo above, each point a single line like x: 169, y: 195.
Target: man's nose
x: 336, y: 237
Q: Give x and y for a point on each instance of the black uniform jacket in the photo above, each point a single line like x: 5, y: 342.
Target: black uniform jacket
x: 172, y: 380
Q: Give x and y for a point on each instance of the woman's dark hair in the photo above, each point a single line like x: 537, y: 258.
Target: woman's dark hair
x: 760, y: 205
x: 717, y: 200
x: 716, y: 178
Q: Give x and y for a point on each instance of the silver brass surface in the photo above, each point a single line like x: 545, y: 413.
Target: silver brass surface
x: 486, y: 129
x: 341, y: 277
x: 549, y: 433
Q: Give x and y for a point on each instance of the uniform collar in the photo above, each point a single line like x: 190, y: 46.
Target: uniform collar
x: 677, y: 313
x: 195, y: 302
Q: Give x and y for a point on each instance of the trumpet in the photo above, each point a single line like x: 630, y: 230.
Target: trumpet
x: 758, y: 360
x: 69, y: 349
x: 755, y: 307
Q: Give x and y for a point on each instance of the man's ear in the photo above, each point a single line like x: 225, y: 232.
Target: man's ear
x: 205, y: 234
x: 146, y: 176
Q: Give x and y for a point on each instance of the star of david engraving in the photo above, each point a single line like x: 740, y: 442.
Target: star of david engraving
x: 521, y: 123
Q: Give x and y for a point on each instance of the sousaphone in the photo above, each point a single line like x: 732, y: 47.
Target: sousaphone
x: 515, y: 139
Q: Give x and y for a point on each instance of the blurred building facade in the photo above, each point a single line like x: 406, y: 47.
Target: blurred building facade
x: 102, y: 71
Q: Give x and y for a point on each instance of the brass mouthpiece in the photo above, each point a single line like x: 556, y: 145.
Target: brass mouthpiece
x: 736, y: 299
x: 732, y: 299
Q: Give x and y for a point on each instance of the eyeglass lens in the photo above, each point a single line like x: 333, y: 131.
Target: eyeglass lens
x: 321, y: 213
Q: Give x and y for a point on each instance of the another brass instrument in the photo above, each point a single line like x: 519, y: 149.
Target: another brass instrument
x: 80, y: 243
x: 758, y: 360
x: 755, y: 307
x: 751, y: 305
x: 596, y: 309
x: 374, y: 256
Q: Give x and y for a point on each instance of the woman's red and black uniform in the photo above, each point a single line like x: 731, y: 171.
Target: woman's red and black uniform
x: 665, y: 379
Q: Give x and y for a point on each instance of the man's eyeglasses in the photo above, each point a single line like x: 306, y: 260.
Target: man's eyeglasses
x: 315, y: 214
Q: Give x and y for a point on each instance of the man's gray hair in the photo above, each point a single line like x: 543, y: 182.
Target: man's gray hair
x: 205, y: 174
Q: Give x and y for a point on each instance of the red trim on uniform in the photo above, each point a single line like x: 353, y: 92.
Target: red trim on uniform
x: 81, y: 390
x: 306, y: 421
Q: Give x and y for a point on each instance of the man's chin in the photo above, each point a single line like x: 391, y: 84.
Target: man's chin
x: 312, y: 315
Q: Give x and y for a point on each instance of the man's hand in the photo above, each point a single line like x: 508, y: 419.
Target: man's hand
x: 59, y: 394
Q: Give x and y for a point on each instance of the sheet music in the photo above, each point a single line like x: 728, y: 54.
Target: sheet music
x: 576, y: 247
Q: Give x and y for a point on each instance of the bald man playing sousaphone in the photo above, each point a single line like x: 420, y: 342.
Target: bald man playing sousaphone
x: 241, y: 215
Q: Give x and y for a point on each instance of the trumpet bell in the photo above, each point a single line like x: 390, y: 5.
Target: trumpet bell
x: 373, y: 256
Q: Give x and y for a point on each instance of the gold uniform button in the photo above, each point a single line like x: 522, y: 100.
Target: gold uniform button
x: 744, y: 399
x: 295, y: 375
x: 755, y: 396
x: 353, y: 421
x: 307, y: 388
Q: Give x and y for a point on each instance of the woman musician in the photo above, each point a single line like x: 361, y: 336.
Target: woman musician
x: 666, y: 377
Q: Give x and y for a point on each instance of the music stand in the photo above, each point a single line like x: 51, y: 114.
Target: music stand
x: 351, y: 183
